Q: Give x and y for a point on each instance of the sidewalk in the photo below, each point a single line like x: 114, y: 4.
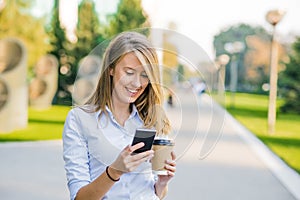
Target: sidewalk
x: 32, y: 171
x: 238, y: 167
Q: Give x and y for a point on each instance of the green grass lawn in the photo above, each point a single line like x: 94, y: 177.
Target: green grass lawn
x: 252, y: 111
x: 42, y: 125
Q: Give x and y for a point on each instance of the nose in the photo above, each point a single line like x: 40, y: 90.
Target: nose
x: 136, y: 82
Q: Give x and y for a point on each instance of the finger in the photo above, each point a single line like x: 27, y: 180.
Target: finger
x: 147, y: 154
x: 171, y: 173
x: 170, y: 168
x: 173, y: 155
x: 126, y: 151
x: 168, y: 176
x: 171, y: 162
x: 138, y: 158
x: 136, y: 146
x: 135, y: 163
x: 127, y: 148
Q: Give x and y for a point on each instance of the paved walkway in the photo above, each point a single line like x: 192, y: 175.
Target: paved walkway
x: 32, y: 171
x: 217, y: 159
x: 238, y: 167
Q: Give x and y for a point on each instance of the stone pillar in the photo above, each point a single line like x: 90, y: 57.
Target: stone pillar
x: 13, y: 87
x: 87, y: 78
x: 43, y: 87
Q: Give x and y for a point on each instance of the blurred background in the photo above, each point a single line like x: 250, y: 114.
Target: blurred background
x: 43, y: 44
x: 70, y: 29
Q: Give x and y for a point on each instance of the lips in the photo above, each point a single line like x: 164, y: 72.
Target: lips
x: 132, y: 92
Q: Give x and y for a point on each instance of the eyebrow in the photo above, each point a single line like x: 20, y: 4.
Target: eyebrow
x: 130, y: 68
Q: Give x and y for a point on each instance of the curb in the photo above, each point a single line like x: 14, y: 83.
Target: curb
x: 285, y: 174
x: 32, y: 143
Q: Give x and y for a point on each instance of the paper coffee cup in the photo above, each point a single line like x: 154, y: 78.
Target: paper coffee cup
x: 162, y: 151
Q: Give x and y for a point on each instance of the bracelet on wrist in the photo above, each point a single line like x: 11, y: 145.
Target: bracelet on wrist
x: 111, y: 178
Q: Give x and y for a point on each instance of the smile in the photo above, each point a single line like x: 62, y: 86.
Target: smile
x: 132, y: 92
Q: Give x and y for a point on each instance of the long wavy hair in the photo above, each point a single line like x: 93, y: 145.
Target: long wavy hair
x: 149, y: 103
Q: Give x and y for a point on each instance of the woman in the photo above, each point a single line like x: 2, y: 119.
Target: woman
x: 98, y: 156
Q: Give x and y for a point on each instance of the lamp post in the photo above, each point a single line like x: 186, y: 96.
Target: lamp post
x: 273, y: 17
x: 222, y: 62
x: 234, y: 48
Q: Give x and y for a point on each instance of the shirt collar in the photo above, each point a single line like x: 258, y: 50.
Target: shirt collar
x: 133, y: 113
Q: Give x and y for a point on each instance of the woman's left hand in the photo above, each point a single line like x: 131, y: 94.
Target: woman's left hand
x: 171, y: 168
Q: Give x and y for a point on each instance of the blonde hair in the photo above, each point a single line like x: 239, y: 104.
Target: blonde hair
x: 149, y: 103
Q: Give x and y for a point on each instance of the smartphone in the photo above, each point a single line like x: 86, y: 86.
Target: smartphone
x: 146, y: 136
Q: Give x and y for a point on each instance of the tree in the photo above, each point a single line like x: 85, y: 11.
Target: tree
x: 257, y: 60
x: 254, y: 60
x: 230, y: 35
x: 289, y: 81
x: 129, y: 15
x: 56, y: 33
x: 88, y: 30
x: 16, y: 21
x: 88, y: 35
x: 58, y: 42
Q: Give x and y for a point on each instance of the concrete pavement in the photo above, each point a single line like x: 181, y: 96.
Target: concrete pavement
x: 238, y: 167
x: 32, y: 171
x: 217, y: 159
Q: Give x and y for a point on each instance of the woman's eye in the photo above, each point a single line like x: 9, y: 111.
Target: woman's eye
x: 129, y: 73
x: 144, y: 75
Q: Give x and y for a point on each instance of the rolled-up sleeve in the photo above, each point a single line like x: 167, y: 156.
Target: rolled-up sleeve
x: 75, y: 154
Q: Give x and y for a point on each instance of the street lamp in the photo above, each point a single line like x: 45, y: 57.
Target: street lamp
x: 273, y: 17
x: 234, y: 48
x: 222, y: 61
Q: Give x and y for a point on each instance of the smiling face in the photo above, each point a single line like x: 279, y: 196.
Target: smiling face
x: 129, y: 80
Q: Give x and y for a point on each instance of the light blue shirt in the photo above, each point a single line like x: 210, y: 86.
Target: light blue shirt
x: 91, y: 142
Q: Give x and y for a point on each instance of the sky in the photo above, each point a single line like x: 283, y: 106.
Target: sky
x: 201, y: 21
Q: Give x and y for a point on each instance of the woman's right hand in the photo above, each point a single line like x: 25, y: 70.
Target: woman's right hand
x: 127, y: 161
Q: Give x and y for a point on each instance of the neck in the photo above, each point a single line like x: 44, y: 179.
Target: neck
x: 121, y: 112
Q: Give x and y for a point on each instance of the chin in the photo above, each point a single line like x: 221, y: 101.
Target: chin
x: 132, y: 100
x: 129, y: 100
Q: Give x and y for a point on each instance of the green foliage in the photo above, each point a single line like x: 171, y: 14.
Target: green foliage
x: 56, y: 33
x: 239, y: 32
x: 69, y: 54
x: 231, y: 34
x: 129, y: 15
x: 88, y: 30
x: 59, y: 43
x: 289, y: 82
x: 89, y: 34
x: 16, y: 21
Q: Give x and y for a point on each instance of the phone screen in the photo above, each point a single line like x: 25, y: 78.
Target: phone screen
x: 146, y: 136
